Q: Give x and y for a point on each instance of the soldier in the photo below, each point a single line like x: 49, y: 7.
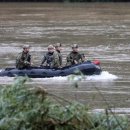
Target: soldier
x: 23, y: 59
x: 51, y: 58
x: 58, y: 49
x: 74, y: 57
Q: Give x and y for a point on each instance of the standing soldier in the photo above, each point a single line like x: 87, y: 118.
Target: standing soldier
x: 58, y: 49
x: 23, y: 59
x: 74, y: 57
x: 51, y: 58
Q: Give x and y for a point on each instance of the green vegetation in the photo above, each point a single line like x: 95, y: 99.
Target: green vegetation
x: 32, y: 108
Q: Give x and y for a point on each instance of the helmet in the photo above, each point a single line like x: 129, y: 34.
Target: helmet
x: 58, y: 44
x: 50, y: 47
x: 26, y: 46
x: 74, y: 46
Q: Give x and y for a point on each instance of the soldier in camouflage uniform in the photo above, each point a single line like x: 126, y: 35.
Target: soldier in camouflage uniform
x: 74, y: 57
x: 23, y: 59
x: 58, y: 49
x: 51, y: 58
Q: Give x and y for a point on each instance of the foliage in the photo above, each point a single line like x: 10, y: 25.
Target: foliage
x: 31, y: 108
x: 76, y: 78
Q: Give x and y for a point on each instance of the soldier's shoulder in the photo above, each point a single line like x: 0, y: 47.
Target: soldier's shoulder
x: 29, y: 54
x: 45, y: 54
x: 69, y: 55
x: 19, y: 55
x: 81, y: 54
x: 55, y: 53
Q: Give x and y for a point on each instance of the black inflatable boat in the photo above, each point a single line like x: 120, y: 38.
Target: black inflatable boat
x: 87, y: 68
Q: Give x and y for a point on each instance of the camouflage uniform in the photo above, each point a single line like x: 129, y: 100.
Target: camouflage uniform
x: 74, y: 56
x: 23, y: 60
x: 58, y: 50
x: 60, y: 58
x: 51, y: 59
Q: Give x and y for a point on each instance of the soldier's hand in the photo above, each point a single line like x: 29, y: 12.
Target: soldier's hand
x: 48, y: 65
x: 75, y: 62
x: 32, y: 63
x: 60, y: 67
x: 26, y: 62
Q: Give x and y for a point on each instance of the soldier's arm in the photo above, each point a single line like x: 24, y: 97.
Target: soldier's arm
x: 69, y: 58
x: 60, y: 58
x: 82, y: 57
x: 27, y: 61
x: 29, y: 58
x: 19, y: 58
x: 43, y: 60
x: 55, y: 60
x: 77, y: 59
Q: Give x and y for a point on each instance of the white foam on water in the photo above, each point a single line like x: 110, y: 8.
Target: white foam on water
x: 115, y: 110
x: 6, y: 80
x: 104, y: 76
x: 50, y: 80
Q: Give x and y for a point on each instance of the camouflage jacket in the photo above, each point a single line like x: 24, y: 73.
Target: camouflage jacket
x: 60, y: 57
x: 51, y: 60
x: 74, y: 57
x: 23, y: 60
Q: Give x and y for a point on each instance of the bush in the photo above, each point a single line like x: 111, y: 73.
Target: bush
x: 31, y: 108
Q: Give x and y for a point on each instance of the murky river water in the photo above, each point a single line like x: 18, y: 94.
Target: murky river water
x: 102, y: 32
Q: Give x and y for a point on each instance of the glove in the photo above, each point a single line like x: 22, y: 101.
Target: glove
x: 26, y: 62
x: 75, y: 62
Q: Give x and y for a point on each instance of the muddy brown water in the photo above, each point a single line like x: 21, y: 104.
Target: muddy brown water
x: 102, y: 32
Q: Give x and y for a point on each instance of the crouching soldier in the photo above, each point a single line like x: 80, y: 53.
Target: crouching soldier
x: 23, y: 59
x: 51, y: 58
x: 74, y: 57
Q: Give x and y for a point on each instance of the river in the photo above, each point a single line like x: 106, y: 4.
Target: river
x: 102, y: 31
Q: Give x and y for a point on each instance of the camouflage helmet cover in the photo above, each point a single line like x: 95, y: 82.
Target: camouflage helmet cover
x: 58, y: 44
x: 26, y: 46
x: 74, y: 46
x: 50, y: 47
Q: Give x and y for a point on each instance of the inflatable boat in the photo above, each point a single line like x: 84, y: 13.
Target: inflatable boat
x: 86, y: 68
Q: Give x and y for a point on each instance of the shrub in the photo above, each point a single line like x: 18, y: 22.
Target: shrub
x: 31, y: 108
